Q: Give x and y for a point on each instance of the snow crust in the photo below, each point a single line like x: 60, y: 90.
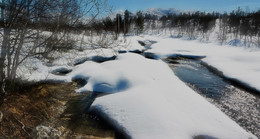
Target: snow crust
x: 155, y: 103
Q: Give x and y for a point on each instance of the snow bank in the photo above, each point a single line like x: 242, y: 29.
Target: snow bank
x: 154, y: 102
x: 34, y: 69
x: 148, y: 100
x: 137, y: 44
x: 235, y: 62
x: 115, y: 76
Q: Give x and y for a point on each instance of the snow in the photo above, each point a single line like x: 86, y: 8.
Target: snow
x: 133, y: 45
x: 47, y: 132
x: 155, y: 103
x: 162, y: 11
x: 35, y: 69
x: 235, y: 62
x: 144, y: 98
x: 111, y: 76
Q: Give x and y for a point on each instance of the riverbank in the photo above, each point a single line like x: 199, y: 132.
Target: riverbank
x: 240, y: 105
x: 51, y: 110
x: 239, y: 64
x: 145, y: 93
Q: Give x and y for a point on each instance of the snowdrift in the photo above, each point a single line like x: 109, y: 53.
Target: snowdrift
x: 154, y: 102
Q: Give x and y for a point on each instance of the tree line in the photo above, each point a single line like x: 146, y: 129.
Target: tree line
x: 238, y: 25
x: 121, y: 24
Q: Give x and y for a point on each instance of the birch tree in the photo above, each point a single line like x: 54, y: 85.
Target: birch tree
x: 23, y: 23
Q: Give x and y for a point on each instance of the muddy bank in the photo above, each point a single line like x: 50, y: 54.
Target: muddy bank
x: 51, y: 111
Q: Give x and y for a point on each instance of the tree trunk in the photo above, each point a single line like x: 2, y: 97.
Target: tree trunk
x: 16, y: 59
x: 5, y: 45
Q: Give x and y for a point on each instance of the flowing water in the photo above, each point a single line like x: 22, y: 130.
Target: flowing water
x: 241, y: 106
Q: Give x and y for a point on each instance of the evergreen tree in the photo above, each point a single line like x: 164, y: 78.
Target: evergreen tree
x: 108, y: 24
x: 127, y: 22
x: 118, y: 25
x: 139, y: 22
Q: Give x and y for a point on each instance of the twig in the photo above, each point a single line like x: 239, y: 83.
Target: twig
x: 23, y: 127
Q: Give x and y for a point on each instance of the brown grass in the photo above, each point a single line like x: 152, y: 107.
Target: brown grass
x: 53, y: 106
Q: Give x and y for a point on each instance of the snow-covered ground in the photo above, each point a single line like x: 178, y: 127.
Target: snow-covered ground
x: 151, y: 102
x: 146, y: 100
x: 34, y: 69
x: 235, y: 62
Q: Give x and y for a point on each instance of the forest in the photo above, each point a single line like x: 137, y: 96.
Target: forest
x: 236, y: 25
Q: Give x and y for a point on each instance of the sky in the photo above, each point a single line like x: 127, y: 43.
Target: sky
x: 201, y: 5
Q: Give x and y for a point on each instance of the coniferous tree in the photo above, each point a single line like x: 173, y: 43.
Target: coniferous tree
x: 108, y: 24
x: 139, y: 22
x: 127, y: 22
x: 118, y: 24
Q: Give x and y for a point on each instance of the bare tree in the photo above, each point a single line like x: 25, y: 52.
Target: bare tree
x: 38, y: 27
x: 223, y: 28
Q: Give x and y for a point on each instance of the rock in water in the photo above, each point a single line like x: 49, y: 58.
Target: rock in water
x: 141, y: 43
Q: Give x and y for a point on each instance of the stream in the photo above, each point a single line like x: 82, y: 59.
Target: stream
x: 241, y: 106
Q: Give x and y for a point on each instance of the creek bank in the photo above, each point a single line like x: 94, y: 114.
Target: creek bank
x: 51, y: 110
x: 233, y: 81
x: 241, y: 105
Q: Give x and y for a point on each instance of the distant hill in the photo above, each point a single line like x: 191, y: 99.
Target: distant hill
x: 159, y: 12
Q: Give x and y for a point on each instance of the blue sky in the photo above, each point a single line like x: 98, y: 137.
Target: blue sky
x: 202, y: 5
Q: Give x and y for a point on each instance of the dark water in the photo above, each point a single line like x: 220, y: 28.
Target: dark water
x: 241, y: 106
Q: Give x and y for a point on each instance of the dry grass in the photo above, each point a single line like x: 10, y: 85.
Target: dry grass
x: 54, y: 106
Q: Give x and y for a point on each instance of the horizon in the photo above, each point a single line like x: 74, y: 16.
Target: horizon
x: 186, y: 5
